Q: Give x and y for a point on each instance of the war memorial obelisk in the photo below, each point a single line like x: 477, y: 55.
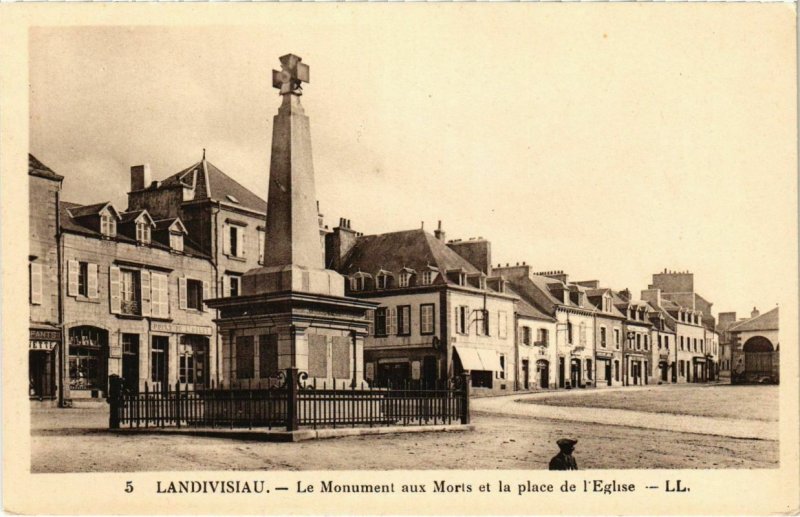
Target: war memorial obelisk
x: 292, y: 311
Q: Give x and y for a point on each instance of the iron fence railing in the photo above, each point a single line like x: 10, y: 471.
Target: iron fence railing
x: 289, y: 401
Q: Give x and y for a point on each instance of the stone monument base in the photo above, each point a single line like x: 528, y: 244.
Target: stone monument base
x: 276, y: 279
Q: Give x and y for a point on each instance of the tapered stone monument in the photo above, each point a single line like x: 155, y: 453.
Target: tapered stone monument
x: 292, y: 311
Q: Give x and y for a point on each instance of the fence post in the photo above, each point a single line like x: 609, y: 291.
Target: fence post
x: 466, y: 386
x: 291, y: 399
x: 178, y: 403
x: 114, y: 400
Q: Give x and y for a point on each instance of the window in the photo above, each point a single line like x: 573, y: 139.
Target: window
x: 130, y: 292
x: 502, y: 324
x: 646, y: 342
x: 483, y: 323
x: 526, y: 336
x: 232, y: 284
x: 681, y: 343
x: 83, y: 279
x: 234, y: 241
x: 659, y: 341
x: 159, y: 295
x: 589, y: 369
x: 143, y: 233
x: 245, y: 357
x: 158, y: 359
x: 405, y: 279
x: 192, y: 358
x: 583, y: 334
x: 638, y: 341
x: 108, y: 225
x: 391, y: 321
x: 502, y: 372
x: 603, y: 337
x: 569, y: 332
x: 380, y: 321
x: 542, y: 337
x: 262, y: 239
x: 428, y: 277
x: 354, y: 284
x: 176, y: 241
x: 666, y: 342
x: 382, y: 281
x: 681, y: 367
x: 462, y: 279
x: 404, y: 320
x: 616, y: 370
x: 616, y: 339
x: 194, y: 294
x: 426, y: 317
x: 462, y: 319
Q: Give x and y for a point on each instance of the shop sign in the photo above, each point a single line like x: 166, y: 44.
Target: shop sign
x: 175, y: 328
x: 45, y: 335
x: 42, y: 345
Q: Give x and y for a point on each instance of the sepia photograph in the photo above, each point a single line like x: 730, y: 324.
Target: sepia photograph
x: 522, y: 239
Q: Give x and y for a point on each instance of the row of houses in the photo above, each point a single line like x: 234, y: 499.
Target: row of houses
x: 121, y: 291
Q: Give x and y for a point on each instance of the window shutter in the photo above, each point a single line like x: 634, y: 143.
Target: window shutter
x: 92, y: 285
x: 456, y: 327
x: 146, y: 293
x: 226, y: 239
x: 226, y: 286
x: 242, y: 242
x: 36, y: 283
x: 72, y: 277
x: 206, y: 291
x: 182, y: 292
x: 114, y: 288
x: 392, y: 321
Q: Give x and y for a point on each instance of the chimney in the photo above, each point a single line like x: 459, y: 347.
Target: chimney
x: 727, y: 318
x: 476, y: 252
x: 439, y: 233
x: 652, y: 296
x: 754, y: 313
x: 338, y: 243
x: 140, y: 177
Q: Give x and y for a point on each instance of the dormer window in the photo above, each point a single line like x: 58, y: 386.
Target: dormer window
x: 143, y: 233
x: 462, y: 279
x: 383, y: 280
x: 428, y: 277
x: 108, y: 225
x: 405, y: 279
x: 176, y: 241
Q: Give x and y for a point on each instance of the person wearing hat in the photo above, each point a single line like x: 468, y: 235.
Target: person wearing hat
x: 564, y: 460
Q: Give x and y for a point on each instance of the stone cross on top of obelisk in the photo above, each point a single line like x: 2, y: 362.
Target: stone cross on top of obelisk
x: 292, y: 73
x: 293, y: 258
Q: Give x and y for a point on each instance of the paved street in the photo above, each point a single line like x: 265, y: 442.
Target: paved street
x: 508, y: 435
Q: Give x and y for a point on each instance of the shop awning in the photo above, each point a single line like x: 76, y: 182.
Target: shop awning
x: 478, y: 359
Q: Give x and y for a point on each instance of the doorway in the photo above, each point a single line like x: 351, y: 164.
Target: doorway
x: 429, y: 371
x: 608, y: 372
x: 42, y: 374
x: 130, y: 362
x: 525, y: 374
x: 575, y: 373
x: 561, y: 373
x: 543, y: 368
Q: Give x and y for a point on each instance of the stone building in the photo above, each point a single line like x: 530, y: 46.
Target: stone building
x: 536, y: 350
x: 45, y: 339
x: 609, y: 332
x: 438, y: 313
x: 133, y: 299
x: 755, y: 348
x: 569, y: 305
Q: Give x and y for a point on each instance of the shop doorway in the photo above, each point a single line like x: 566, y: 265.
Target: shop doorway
x: 608, y: 372
x: 543, y: 367
x: 193, y: 362
x: 42, y: 374
x: 159, y: 363
x: 394, y: 374
x: 429, y: 371
x: 575, y: 373
x: 130, y: 362
x: 526, y: 374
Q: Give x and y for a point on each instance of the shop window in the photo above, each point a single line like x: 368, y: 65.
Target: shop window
x: 426, y: 316
x: 481, y: 378
x: 87, y: 355
x: 41, y: 369
x: 193, y: 360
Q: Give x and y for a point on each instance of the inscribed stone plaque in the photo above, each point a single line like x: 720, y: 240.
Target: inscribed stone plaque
x: 267, y: 355
x: 317, y: 356
x: 340, y: 357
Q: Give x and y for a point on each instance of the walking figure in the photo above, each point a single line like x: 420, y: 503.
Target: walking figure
x: 564, y: 460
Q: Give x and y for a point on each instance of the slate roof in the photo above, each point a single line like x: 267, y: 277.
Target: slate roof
x: 78, y: 211
x: 37, y: 168
x: 165, y: 224
x: 523, y: 308
x: 597, y: 294
x: 766, y: 321
x: 71, y: 224
x: 126, y: 217
x: 415, y: 249
x: 211, y: 183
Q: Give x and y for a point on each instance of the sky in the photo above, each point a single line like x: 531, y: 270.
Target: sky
x: 609, y: 142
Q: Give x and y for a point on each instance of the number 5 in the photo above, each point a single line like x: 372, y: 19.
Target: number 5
x: 128, y: 487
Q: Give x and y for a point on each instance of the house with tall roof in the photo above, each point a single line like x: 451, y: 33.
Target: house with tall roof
x: 133, y: 288
x: 536, y: 351
x: 569, y: 305
x: 439, y: 314
x: 755, y: 353
x: 609, y: 332
x: 45, y: 343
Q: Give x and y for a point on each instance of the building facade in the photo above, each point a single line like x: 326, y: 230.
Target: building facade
x: 133, y: 303
x: 45, y: 336
x: 755, y: 348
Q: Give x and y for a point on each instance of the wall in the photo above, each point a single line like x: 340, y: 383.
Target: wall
x: 673, y: 282
x: 611, y: 351
x: 574, y: 351
x: 42, y: 244
x: 533, y: 353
